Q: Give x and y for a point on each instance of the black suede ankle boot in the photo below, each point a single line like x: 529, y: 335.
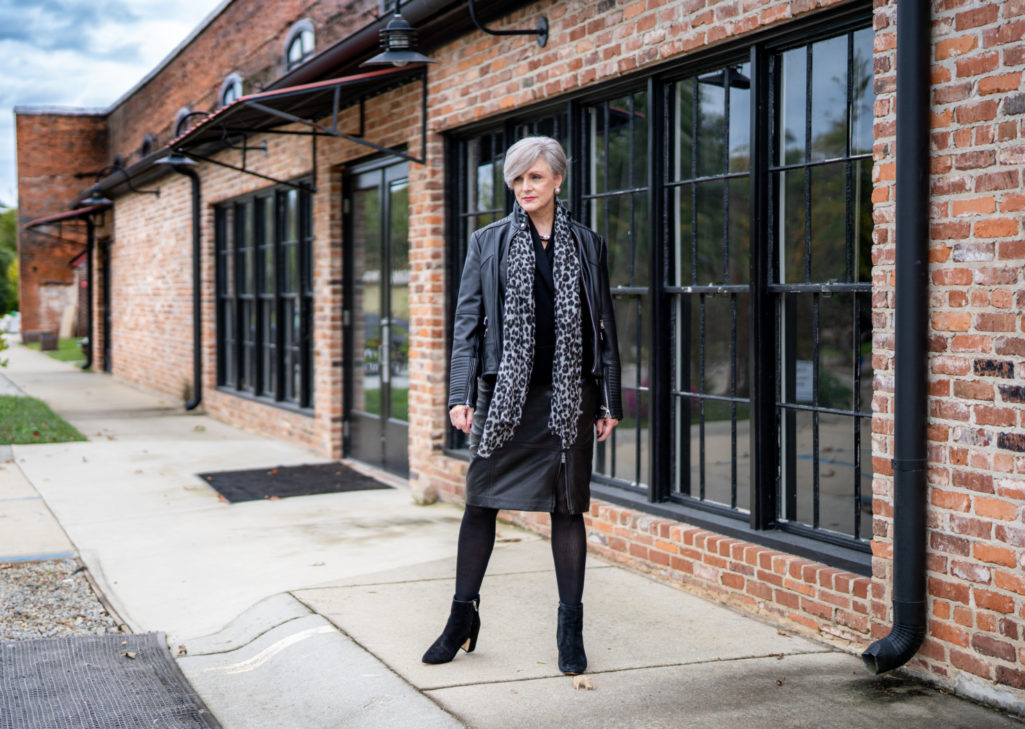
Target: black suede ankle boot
x: 570, y: 637
x: 460, y: 632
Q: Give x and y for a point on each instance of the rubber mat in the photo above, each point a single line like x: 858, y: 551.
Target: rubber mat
x: 284, y: 481
x: 111, y: 681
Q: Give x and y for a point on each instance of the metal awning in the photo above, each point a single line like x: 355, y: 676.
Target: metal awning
x: 306, y: 105
x: 78, y: 214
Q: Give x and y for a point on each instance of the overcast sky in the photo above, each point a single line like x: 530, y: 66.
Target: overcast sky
x: 81, y: 53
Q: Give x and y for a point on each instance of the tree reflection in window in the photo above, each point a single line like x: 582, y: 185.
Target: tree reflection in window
x: 616, y: 201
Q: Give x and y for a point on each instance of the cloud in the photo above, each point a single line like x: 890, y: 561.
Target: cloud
x: 53, y: 25
x: 81, y: 53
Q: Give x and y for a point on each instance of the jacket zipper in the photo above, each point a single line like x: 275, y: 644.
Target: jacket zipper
x: 473, y: 367
x: 605, y: 373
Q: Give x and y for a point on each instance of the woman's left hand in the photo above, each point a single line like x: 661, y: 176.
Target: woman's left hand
x: 604, y: 427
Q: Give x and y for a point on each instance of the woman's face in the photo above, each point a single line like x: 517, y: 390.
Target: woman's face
x: 535, y: 188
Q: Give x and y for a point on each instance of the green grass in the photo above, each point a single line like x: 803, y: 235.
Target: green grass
x: 67, y: 350
x: 400, y: 402
x: 26, y: 420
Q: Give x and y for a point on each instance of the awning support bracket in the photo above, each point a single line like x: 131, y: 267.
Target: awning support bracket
x: 333, y: 130
x: 276, y: 181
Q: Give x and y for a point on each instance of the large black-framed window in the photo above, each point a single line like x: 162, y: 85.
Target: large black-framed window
x: 734, y: 191
x: 264, y: 296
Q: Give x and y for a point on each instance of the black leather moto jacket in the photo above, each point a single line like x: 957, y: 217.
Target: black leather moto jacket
x: 477, y: 331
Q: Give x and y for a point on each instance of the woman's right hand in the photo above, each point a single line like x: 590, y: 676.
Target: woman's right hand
x: 461, y: 417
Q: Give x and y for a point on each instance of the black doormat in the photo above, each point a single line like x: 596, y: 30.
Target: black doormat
x: 284, y: 481
x: 97, y: 682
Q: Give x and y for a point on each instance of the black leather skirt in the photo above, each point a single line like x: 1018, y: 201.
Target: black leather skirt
x: 531, y: 472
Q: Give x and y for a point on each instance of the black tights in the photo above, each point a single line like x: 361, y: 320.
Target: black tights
x: 477, y: 538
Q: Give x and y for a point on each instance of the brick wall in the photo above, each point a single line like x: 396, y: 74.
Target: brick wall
x: 247, y: 38
x: 51, y: 148
x: 976, y: 472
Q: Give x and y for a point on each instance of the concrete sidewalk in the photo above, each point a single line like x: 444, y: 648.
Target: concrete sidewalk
x: 314, y: 611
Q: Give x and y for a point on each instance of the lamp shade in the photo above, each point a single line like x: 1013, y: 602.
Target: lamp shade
x: 398, y: 45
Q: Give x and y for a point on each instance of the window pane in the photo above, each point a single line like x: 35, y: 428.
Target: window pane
x: 793, y: 106
x: 620, y: 115
x: 862, y: 220
x: 793, y: 261
x: 828, y: 222
x: 269, y: 338
x: 709, y: 232
x: 739, y: 231
x: 838, y: 352
x: 485, y: 186
x: 683, y: 269
x: 711, y: 132
x: 829, y: 99
x: 247, y: 375
x: 269, y: 281
x: 291, y: 267
x: 398, y: 350
x: 740, y: 117
x: 639, y: 104
x: 367, y: 280
x: 862, y: 115
x: 684, y: 141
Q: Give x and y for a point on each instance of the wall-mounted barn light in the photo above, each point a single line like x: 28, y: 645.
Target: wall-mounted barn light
x: 398, y: 43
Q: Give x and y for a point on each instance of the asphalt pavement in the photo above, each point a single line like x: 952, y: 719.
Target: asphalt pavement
x: 312, y: 612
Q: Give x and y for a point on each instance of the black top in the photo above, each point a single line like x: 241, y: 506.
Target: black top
x: 544, y: 309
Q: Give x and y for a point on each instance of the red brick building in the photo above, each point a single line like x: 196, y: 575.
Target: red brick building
x: 742, y: 160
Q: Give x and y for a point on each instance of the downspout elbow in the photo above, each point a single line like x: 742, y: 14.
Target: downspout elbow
x: 903, y: 641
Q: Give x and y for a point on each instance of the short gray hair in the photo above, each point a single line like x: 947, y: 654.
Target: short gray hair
x: 525, y: 152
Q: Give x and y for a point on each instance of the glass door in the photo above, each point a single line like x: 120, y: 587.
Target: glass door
x: 376, y: 317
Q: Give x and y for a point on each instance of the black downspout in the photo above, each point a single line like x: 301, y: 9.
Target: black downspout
x: 90, y: 241
x: 197, y: 311
x: 910, y: 350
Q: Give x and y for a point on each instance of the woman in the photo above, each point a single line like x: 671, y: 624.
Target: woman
x: 534, y: 378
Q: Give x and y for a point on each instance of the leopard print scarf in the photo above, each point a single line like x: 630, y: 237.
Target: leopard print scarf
x: 514, y: 370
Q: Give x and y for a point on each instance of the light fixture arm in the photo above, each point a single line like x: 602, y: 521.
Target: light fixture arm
x: 541, y: 31
x: 128, y: 179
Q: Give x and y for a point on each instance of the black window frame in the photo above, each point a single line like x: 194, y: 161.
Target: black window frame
x: 254, y: 291
x: 760, y: 523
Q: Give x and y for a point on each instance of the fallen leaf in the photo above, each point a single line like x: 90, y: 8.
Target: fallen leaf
x: 36, y: 434
x: 200, y: 428
x: 272, y: 498
x: 220, y: 497
x: 273, y: 472
x: 129, y: 654
x: 779, y: 681
x: 582, y: 682
x: 780, y: 632
x: 182, y: 651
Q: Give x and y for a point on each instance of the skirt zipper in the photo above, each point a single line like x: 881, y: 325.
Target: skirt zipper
x: 565, y: 482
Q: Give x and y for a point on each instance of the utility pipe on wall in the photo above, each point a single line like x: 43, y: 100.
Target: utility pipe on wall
x: 90, y: 240
x: 197, y: 310
x: 911, y: 311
